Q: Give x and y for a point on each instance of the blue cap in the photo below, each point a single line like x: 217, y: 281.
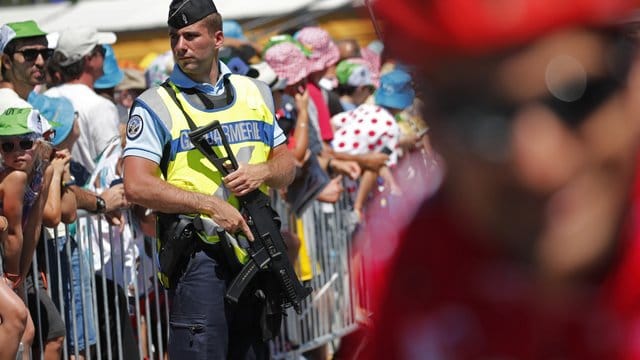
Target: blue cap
x: 112, y: 73
x: 237, y: 66
x: 232, y: 29
x: 395, y: 90
x: 58, y: 110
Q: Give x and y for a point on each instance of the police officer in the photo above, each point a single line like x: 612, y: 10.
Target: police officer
x: 202, y: 325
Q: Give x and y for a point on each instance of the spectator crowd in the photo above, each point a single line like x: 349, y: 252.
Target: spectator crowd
x: 350, y: 116
x: 515, y: 236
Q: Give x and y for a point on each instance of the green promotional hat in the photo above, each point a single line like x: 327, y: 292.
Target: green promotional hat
x: 353, y: 72
x: 277, y: 39
x: 18, y: 121
x: 18, y: 30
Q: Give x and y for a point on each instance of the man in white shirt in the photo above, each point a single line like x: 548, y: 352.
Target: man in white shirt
x: 80, y: 55
x: 23, y: 55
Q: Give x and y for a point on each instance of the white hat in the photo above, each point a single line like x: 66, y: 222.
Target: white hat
x: 266, y: 74
x: 74, y: 44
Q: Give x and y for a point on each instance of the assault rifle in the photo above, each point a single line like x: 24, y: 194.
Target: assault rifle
x: 268, y: 251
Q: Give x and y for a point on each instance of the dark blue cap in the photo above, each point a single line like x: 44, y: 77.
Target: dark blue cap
x: 186, y: 12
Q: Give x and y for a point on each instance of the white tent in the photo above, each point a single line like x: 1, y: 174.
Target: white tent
x: 136, y: 15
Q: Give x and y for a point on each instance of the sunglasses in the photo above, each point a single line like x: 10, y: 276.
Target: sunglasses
x: 595, y: 92
x: 484, y: 126
x: 24, y: 144
x: 32, y: 54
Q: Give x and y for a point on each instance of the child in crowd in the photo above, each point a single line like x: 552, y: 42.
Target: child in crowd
x: 21, y: 184
x: 373, y: 128
x: 23, y: 190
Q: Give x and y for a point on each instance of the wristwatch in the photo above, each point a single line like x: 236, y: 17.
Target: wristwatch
x: 101, y: 205
x: 72, y: 181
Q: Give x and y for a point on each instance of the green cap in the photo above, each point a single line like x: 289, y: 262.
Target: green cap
x: 18, y: 30
x: 353, y: 72
x: 19, y: 121
x: 277, y: 39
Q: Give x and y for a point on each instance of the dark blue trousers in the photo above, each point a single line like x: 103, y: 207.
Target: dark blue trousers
x: 203, y: 325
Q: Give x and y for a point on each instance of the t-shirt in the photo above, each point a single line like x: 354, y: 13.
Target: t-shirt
x: 368, y: 128
x: 443, y: 292
x: 10, y: 99
x: 97, y: 120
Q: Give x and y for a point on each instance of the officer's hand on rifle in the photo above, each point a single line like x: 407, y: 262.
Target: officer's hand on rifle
x: 246, y: 178
x: 229, y: 218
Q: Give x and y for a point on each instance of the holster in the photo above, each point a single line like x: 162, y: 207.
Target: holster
x: 176, y: 244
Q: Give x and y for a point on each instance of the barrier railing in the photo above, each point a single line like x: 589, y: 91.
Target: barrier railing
x: 330, y: 312
x: 104, y: 279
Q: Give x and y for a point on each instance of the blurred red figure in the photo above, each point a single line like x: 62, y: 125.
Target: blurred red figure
x: 528, y: 250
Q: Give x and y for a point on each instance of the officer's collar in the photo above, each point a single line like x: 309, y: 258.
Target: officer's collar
x: 179, y: 78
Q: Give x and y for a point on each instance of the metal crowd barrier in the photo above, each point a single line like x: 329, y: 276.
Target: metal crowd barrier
x: 328, y: 314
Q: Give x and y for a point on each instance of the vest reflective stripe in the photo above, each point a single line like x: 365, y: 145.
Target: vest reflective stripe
x: 248, y: 124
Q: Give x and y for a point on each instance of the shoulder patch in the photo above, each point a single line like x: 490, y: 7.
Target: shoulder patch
x: 134, y: 127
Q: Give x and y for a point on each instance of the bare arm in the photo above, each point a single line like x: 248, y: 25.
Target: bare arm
x: 301, y: 133
x: 113, y: 197
x: 68, y: 202
x: 371, y: 161
x: 13, y: 193
x: 282, y: 169
x: 52, y: 213
x: 143, y: 186
x: 69, y: 206
x: 85, y: 199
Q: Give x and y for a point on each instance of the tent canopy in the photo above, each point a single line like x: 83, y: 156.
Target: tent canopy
x: 136, y: 15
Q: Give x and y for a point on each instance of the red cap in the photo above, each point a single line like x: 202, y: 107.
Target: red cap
x: 474, y: 27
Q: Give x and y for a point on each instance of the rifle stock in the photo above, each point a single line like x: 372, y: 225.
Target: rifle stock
x: 268, y: 251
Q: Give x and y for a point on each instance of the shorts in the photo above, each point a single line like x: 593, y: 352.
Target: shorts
x: 46, y: 317
x: 73, y: 288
